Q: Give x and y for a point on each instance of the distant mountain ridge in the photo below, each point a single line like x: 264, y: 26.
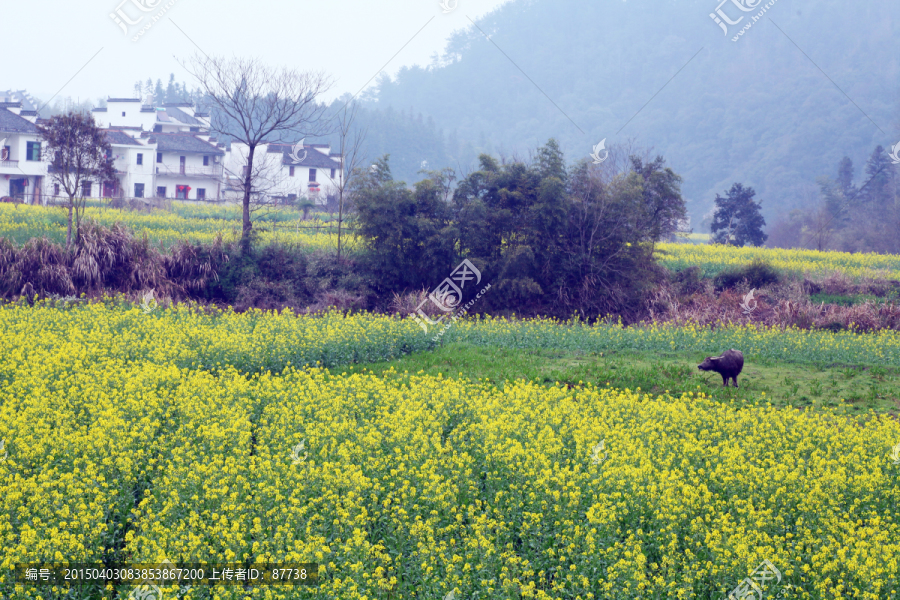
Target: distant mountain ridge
x: 755, y: 111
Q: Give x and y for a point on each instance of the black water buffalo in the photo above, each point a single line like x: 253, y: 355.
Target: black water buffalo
x: 728, y: 365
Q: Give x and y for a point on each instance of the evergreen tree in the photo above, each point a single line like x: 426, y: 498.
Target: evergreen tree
x: 738, y: 219
x: 845, y: 177
x: 877, y: 192
x: 171, y: 90
x: 835, y: 201
x: 148, y: 91
x: 662, y: 206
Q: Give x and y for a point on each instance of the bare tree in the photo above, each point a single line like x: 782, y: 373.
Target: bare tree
x: 265, y: 178
x: 78, y: 153
x: 256, y: 105
x: 350, y: 148
x: 818, y: 227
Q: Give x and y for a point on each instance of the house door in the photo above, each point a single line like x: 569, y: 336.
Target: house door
x: 182, y: 165
x: 17, y: 188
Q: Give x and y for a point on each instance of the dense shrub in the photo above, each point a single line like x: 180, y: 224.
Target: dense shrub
x: 757, y: 274
x: 688, y: 281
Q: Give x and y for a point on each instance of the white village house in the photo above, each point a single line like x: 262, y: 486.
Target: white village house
x: 183, y: 161
x: 21, y: 171
x: 164, y: 152
x: 287, y: 172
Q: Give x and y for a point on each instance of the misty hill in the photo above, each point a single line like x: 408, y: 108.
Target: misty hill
x: 756, y: 111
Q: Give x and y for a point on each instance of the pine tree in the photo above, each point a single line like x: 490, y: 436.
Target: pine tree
x: 845, y: 177
x: 148, y: 91
x: 738, y: 219
x: 171, y: 89
x: 877, y: 192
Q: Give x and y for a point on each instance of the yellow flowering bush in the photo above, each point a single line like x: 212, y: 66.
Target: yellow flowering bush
x: 138, y: 437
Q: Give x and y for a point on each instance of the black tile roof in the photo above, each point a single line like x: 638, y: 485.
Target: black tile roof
x: 178, y: 104
x: 123, y: 99
x: 182, y: 142
x: 116, y: 136
x: 28, y: 101
x: 313, y: 158
x: 13, y: 104
x: 13, y: 123
x: 181, y: 116
x: 98, y: 110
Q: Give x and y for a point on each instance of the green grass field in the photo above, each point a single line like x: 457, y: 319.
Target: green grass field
x: 853, y: 388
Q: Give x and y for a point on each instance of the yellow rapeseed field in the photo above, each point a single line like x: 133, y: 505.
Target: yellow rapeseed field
x: 712, y: 258
x: 188, y: 436
x: 198, y: 224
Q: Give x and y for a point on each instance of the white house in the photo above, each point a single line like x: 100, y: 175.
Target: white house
x: 134, y: 161
x: 184, y: 161
x: 170, y: 118
x: 22, y: 172
x: 287, y: 171
x: 187, y: 166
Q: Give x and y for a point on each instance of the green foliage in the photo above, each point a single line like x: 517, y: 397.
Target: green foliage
x: 268, y: 277
x: 757, y: 274
x: 737, y: 219
x: 406, y: 231
x: 548, y: 240
x: 688, y: 281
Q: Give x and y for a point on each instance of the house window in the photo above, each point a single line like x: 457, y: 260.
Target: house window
x: 333, y: 171
x: 161, y: 191
x: 292, y: 171
x: 246, y: 170
x: 4, y: 153
x: 312, y: 174
x: 33, y: 151
x: 159, y: 157
x: 205, y: 161
x: 56, y: 189
x: 123, y: 113
x: 157, y: 129
x: 140, y: 158
x: 86, y: 189
x: 139, y: 190
x: 201, y: 193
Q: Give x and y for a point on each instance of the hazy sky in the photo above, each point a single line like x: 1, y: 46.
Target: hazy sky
x: 50, y: 44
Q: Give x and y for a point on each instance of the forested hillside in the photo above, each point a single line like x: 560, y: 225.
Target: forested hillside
x: 756, y: 111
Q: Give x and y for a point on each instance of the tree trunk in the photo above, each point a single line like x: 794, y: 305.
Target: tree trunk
x: 248, y: 180
x: 69, y: 228
x: 340, y: 216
